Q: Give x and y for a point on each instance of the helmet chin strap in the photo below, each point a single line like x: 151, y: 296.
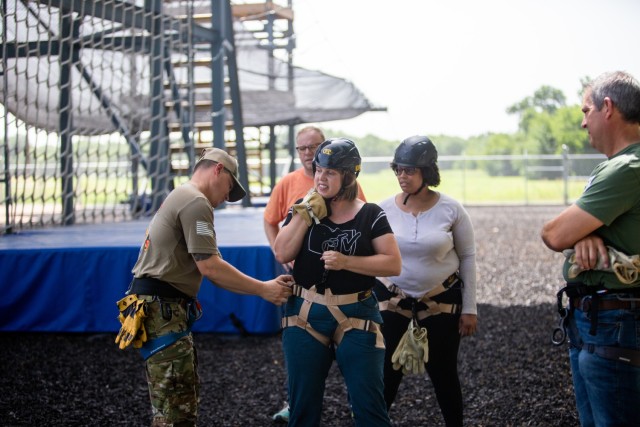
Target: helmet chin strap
x: 340, y: 193
x: 414, y: 193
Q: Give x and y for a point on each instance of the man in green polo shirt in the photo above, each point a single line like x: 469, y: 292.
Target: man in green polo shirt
x: 603, y: 317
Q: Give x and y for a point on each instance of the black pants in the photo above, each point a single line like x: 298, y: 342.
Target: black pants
x: 444, y: 342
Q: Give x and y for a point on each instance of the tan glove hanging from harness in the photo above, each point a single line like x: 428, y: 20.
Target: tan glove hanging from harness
x: 132, y: 314
x: 412, y: 351
x: 625, y: 267
x: 312, y: 208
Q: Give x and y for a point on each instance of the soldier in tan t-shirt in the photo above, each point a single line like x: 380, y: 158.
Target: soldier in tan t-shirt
x: 179, y: 249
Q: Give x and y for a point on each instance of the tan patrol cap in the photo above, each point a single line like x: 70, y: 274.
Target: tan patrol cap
x: 231, y: 165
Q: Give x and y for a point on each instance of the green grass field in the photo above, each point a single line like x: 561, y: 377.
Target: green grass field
x: 476, y: 187
x: 471, y: 187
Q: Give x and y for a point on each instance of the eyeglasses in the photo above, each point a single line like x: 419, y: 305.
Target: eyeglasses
x: 409, y: 171
x: 311, y: 148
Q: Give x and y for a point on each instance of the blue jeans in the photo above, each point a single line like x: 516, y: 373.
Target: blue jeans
x: 607, y: 391
x: 308, y: 362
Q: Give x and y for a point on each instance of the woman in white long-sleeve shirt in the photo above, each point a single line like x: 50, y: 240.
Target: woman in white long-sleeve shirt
x: 437, y: 285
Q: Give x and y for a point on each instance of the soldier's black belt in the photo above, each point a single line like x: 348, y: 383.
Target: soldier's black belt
x: 152, y: 286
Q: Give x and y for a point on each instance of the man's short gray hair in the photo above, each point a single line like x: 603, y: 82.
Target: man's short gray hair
x: 623, y: 90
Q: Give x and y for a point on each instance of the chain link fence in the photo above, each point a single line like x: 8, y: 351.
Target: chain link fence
x: 496, y: 179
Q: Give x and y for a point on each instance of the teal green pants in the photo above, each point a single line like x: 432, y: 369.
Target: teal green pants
x: 308, y: 362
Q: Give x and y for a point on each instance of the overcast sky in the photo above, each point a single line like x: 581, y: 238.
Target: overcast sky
x: 454, y: 66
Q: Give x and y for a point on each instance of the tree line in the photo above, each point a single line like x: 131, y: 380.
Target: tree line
x: 545, y: 124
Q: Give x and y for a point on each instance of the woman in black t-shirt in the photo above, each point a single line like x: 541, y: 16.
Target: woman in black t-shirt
x: 339, y: 244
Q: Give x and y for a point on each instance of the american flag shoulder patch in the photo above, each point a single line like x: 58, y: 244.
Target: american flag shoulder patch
x: 204, y: 228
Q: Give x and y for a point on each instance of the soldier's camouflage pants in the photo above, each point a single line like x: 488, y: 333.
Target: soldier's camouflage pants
x: 174, y: 385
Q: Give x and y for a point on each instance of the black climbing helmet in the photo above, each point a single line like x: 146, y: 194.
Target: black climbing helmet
x: 338, y: 153
x: 415, y: 151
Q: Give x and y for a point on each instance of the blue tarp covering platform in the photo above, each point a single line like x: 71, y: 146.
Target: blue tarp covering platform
x: 68, y: 279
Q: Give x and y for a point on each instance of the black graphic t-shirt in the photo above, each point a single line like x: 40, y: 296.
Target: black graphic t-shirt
x: 351, y: 238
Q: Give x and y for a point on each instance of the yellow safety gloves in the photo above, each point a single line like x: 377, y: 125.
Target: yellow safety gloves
x: 311, y: 208
x: 412, y: 351
x: 132, y: 314
x: 625, y: 267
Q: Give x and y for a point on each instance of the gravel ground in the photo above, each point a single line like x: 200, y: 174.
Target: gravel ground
x: 511, y: 374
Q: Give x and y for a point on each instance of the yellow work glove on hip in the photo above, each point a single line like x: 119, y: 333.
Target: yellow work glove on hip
x: 412, y: 351
x: 312, y: 208
x: 132, y: 314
